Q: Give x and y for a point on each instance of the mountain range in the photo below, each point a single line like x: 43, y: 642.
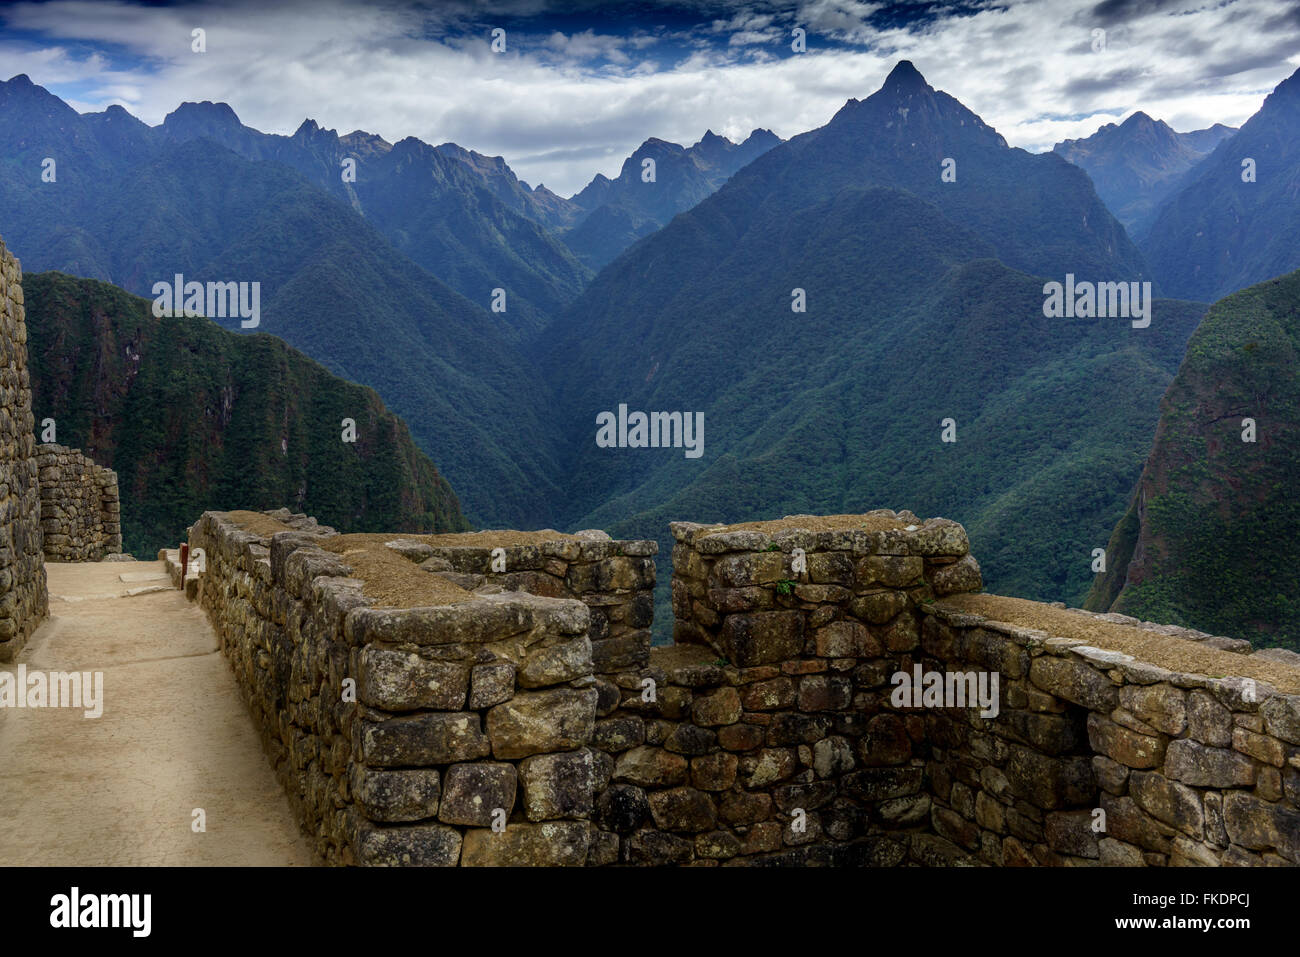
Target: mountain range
x: 612, y: 214
x: 133, y: 211
x: 1137, y: 164
x: 1235, y: 220
x: 857, y: 312
x: 924, y: 302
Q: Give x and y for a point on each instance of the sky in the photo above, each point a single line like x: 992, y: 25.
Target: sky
x: 580, y: 84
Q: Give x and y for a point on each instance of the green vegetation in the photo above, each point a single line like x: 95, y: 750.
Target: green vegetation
x: 134, y: 211
x: 910, y: 321
x: 1219, y: 532
x: 194, y: 417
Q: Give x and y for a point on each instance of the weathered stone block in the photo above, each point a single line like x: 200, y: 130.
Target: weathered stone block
x: 714, y: 772
x: 1201, y: 766
x: 1162, y: 706
x: 878, y: 607
x: 1281, y: 715
x: 1074, y: 681
x: 1259, y: 825
x: 683, y: 809
x: 474, y: 793
x: 422, y: 740
x: 491, y: 684
x: 879, y: 784
x: 625, y: 652
x: 650, y: 767
x: 659, y: 848
x: 415, y: 845
x: 1208, y: 721
x: 1259, y: 746
x: 763, y: 637
x: 403, y: 681
x: 767, y: 766
x: 536, y: 722
x: 717, y: 707
x: 885, y: 741
x: 962, y: 575
x: 825, y: 693
x: 844, y: 639
x: 556, y: 663
x: 622, y: 808
x: 1175, y: 804
x: 759, y: 568
x: 892, y: 571
x: 768, y: 695
x: 405, y: 795
x: 1071, y: 832
x: 1127, y: 747
x: 618, y: 734
x: 549, y: 844
x: 1049, y: 782
x: 559, y: 785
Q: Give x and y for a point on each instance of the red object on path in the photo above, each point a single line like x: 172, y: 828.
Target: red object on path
x: 185, y: 560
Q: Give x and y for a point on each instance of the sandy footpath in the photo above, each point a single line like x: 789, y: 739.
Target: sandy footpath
x: 174, y: 736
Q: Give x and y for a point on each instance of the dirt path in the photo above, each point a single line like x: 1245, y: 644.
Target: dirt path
x: 173, y: 737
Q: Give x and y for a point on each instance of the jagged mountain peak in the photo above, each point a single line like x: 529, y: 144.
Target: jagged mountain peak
x: 369, y: 142
x: 1286, y: 95
x: 206, y: 110
x: 911, y: 112
x: 905, y: 78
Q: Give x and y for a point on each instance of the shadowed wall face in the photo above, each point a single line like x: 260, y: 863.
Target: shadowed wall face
x: 80, y: 511
x: 23, y: 597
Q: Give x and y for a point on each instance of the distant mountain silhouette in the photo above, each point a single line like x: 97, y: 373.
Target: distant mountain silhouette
x: 465, y: 218
x: 1137, y: 163
x: 612, y: 214
x: 1219, y: 233
x: 134, y: 207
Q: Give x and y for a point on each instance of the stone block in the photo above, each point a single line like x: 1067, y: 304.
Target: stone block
x: 474, y: 793
x: 536, y: 722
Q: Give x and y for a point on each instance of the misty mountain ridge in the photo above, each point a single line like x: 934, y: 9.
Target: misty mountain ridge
x: 612, y: 214
x: 1234, y: 221
x: 1136, y: 164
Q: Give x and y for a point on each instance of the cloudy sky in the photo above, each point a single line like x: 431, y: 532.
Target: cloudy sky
x: 581, y: 84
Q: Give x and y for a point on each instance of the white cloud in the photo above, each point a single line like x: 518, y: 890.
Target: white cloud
x: 1025, y: 66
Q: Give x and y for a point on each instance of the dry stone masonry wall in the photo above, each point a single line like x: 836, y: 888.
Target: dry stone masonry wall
x: 528, y: 721
x: 795, y: 755
x: 465, y: 738
x: 23, y: 597
x: 1098, y: 757
x: 615, y: 580
x: 80, y: 511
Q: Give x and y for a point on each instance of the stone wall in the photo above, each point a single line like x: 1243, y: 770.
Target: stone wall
x: 460, y: 717
x: 771, y: 733
x: 615, y: 580
x: 23, y: 597
x: 773, y: 741
x: 1098, y: 757
x: 80, y: 512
